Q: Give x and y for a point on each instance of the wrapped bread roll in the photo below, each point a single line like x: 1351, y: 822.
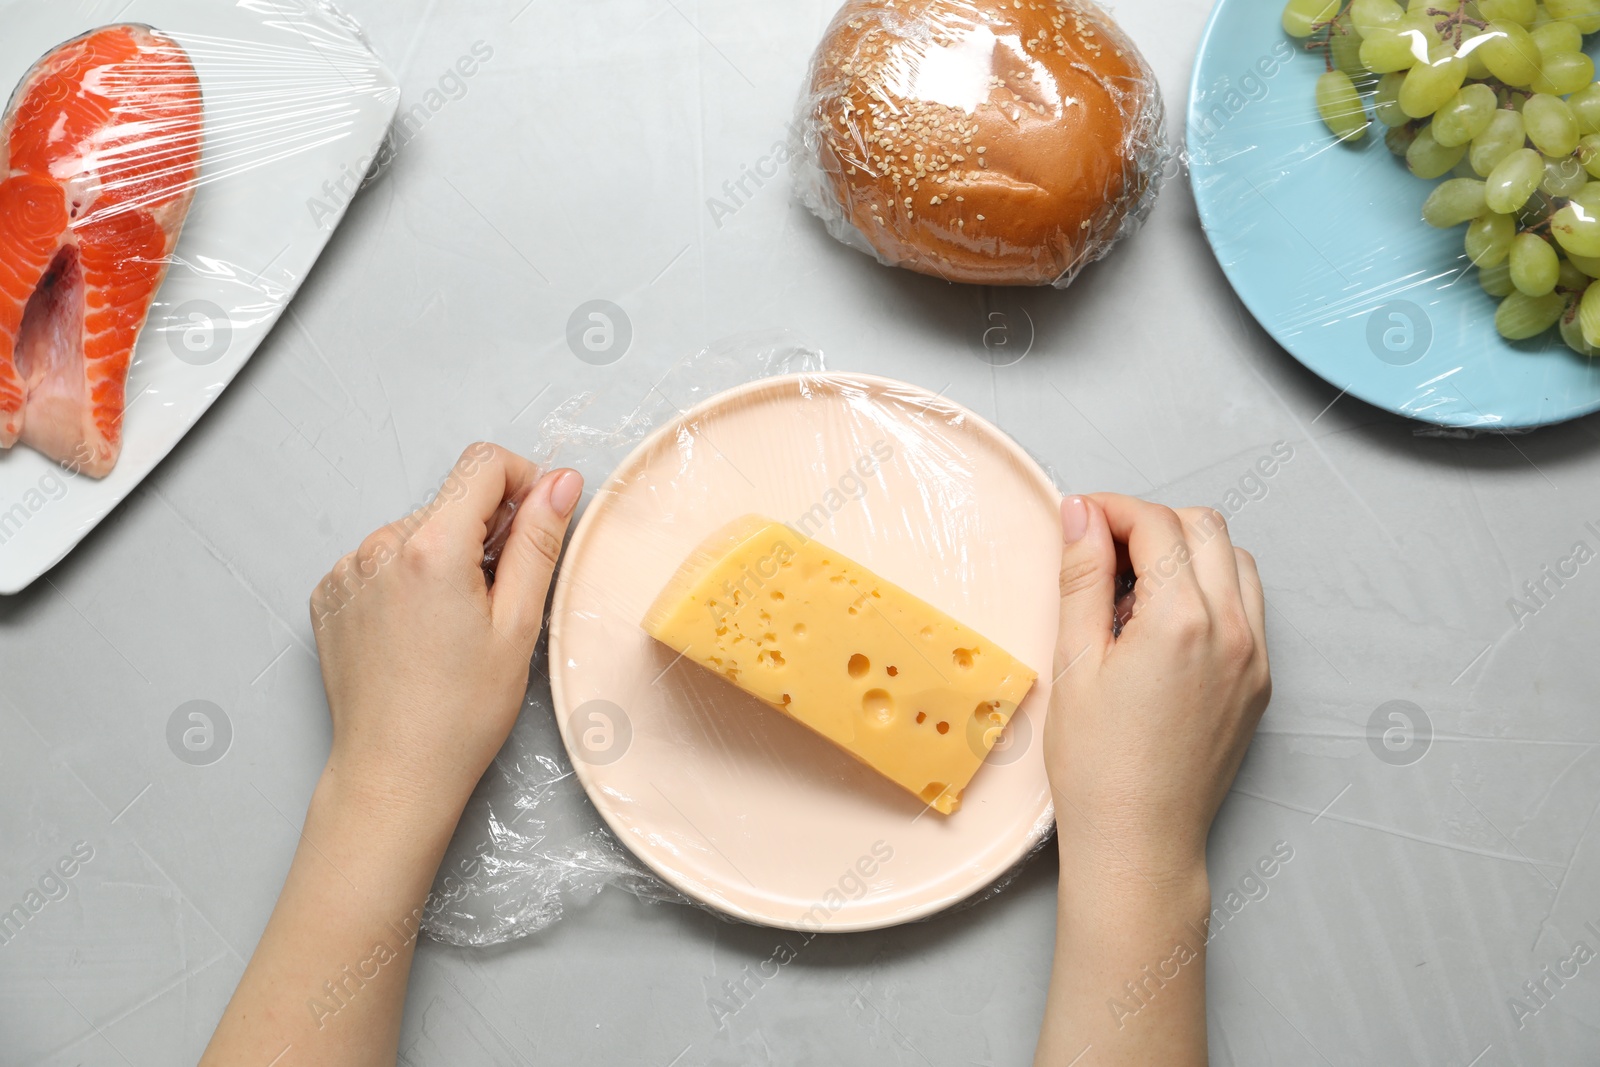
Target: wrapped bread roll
x: 999, y: 142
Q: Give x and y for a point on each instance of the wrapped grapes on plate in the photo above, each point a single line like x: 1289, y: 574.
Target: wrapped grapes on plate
x: 1496, y: 101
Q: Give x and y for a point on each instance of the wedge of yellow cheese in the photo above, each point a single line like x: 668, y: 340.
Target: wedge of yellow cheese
x: 892, y: 680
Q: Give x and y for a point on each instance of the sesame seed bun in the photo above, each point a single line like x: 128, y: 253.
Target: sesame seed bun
x: 998, y: 142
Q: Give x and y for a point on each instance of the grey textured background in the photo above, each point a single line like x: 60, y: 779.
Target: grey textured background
x: 577, y: 166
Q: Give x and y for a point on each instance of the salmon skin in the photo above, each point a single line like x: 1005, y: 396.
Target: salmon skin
x: 99, y: 156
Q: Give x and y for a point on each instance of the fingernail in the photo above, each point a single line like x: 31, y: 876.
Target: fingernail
x: 565, y: 492
x: 1074, y: 519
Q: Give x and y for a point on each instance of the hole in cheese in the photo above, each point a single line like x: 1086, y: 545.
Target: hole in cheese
x: 776, y: 595
x: 799, y: 629
x: 879, y: 706
x: 944, y: 728
x: 893, y: 671
x: 964, y: 657
x: 859, y: 665
x: 922, y: 716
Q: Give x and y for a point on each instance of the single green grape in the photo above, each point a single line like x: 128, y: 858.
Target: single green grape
x: 1550, y: 124
x: 1509, y: 52
x: 1584, y: 14
x: 1496, y: 280
x: 1589, y: 265
x: 1429, y: 159
x: 1341, y: 107
x: 1504, y: 135
x: 1387, y: 49
x: 1301, y: 17
x: 1589, y: 195
x: 1535, y: 266
x: 1386, y: 99
x: 1572, y: 334
x: 1576, y: 227
x: 1563, y: 73
x: 1554, y: 38
x: 1521, y: 316
x: 1563, y: 176
x: 1572, y: 327
x: 1464, y: 116
x: 1571, y: 279
x: 1489, y: 239
x: 1431, y: 85
x: 1369, y: 15
x: 1585, y: 105
x: 1513, y: 180
x: 1589, y: 315
x: 1453, y: 202
x: 1521, y: 11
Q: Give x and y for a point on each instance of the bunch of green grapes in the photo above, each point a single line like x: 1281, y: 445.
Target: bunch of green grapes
x: 1498, y: 98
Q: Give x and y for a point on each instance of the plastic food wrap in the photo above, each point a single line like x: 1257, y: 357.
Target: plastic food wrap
x: 165, y: 183
x: 980, y: 140
x: 705, y: 795
x: 1404, y: 198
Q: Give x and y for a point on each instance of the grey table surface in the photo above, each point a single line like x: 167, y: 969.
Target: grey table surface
x: 578, y: 164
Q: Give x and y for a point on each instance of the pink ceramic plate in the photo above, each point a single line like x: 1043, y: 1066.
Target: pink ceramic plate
x: 727, y: 800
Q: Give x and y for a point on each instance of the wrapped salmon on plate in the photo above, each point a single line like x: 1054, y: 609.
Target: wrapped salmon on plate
x: 99, y: 155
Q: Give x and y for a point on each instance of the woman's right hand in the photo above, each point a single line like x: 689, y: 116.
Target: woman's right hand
x: 1147, y: 729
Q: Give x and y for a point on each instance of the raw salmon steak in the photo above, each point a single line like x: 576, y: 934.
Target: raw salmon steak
x: 99, y: 155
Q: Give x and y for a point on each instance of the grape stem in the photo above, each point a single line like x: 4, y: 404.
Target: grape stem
x: 1327, y: 28
x: 1452, y: 21
x: 1542, y: 223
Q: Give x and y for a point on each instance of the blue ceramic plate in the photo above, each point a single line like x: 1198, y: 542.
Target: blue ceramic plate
x: 1326, y: 245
